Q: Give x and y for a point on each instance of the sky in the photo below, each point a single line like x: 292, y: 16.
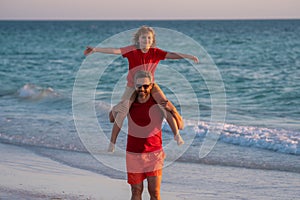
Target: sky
x: 148, y: 9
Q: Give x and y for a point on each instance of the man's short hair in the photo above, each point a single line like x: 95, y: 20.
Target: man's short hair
x: 143, y: 74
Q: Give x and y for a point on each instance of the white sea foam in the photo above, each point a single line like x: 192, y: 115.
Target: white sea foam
x: 278, y: 140
x: 31, y: 91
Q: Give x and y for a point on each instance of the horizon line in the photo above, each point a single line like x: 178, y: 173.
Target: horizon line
x: 162, y: 19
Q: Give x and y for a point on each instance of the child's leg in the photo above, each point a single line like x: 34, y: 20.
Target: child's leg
x: 123, y: 106
x: 120, y: 111
x: 172, y: 123
x: 176, y: 115
x: 161, y: 99
x: 118, y: 114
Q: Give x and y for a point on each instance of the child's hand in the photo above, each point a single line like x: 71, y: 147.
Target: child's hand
x: 195, y: 59
x: 88, y: 51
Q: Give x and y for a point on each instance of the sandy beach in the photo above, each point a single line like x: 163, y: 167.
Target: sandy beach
x: 26, y: 175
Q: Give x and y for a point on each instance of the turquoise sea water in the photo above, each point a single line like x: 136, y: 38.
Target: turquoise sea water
x: 259, y: 62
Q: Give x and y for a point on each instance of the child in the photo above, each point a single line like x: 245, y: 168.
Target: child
x: 143, y: 55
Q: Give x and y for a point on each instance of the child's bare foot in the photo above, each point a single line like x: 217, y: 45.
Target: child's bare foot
x: 178, y: 139
x: 111, y: 148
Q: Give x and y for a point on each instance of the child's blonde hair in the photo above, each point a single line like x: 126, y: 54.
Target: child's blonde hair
x: 142, y: 30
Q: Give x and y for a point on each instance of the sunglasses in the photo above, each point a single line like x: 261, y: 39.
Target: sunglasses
x: 142, y: 86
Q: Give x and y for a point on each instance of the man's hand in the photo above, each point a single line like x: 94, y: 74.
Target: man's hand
x: 111, y: 117
x: 167, y: 105
x: 111, y: 147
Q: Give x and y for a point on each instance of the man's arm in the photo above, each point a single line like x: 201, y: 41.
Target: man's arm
x: 113, y: 138
x: 174, y: 55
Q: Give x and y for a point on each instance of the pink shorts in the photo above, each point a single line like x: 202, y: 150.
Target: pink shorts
x: 142, y: 165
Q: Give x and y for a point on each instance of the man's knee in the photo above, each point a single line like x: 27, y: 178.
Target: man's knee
x: 136, y: 190
x: 154, y: 187
x: 121, y: 109
x: 154, y: 193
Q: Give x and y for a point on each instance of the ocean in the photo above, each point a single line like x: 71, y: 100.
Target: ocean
x: 240, y: 104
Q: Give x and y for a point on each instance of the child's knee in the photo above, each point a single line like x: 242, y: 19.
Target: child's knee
x: 122, y: 107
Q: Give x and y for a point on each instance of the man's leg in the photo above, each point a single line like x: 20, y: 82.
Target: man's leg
x: 154, y: 187
x: 136, y: 191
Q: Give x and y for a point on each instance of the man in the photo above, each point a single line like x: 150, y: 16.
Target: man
x: 144, y: 152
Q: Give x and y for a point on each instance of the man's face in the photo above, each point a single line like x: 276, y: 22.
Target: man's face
x: 143, y: 87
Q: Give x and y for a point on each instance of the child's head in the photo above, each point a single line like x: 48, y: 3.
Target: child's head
x: 142, y: 31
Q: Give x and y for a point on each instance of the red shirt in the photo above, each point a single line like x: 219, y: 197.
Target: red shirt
x: 144, y: 127
x: 141, y: 61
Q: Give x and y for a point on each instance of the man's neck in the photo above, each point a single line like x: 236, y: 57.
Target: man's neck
x: 143, y: 99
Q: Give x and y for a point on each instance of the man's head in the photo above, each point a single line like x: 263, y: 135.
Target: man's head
x: 143, y: 82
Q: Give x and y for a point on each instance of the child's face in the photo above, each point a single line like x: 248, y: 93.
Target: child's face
x: 146, y: 40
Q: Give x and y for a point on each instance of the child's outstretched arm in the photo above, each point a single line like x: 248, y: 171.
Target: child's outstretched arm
x: 89, y: 50
x: 174, y: 55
